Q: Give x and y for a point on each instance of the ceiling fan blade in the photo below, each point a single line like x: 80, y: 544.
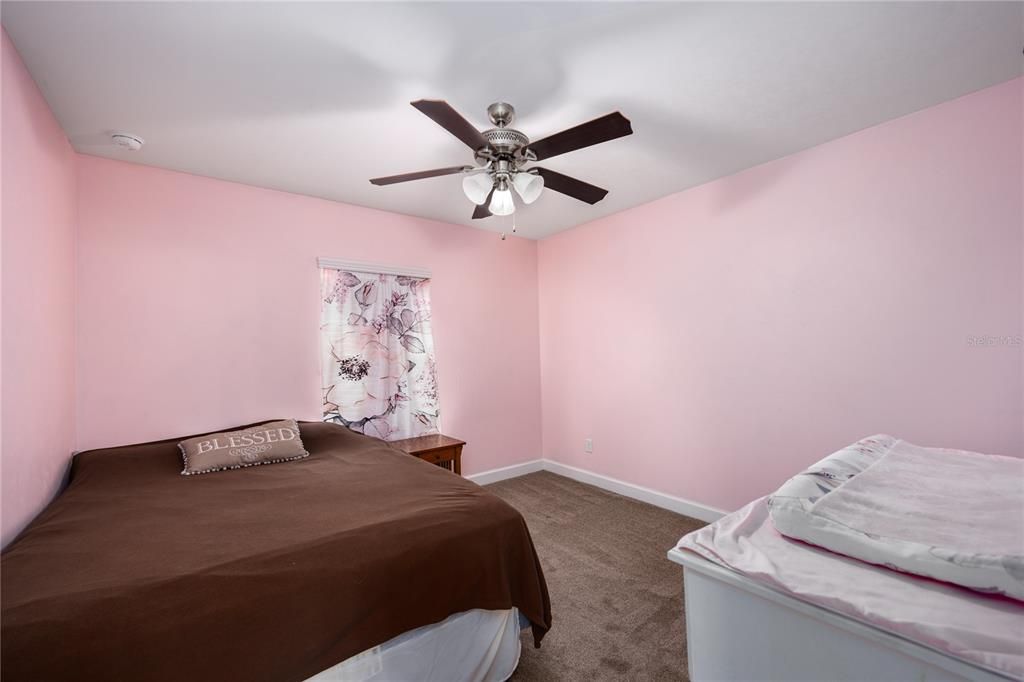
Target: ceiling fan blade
x: 608, y: 127
x: 577, y: 189
x: 406, y: 177
x: 443, y: 115
x: 482, y: 211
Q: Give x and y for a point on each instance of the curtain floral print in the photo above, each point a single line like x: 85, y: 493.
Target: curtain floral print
x: 377, y: 354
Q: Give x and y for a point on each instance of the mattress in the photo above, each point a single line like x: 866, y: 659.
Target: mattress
x: 269, y: 573
x: 951, y: 515
x: 986, y: 630
x: 473, y: 646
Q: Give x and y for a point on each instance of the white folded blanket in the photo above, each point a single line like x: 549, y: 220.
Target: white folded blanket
x: 951, y: 515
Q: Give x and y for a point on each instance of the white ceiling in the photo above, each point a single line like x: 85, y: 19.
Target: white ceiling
x: 313, y: 98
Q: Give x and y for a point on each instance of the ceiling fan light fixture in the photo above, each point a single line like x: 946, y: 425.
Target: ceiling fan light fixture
x: 477, y: 187
x: 501, y: 201
x: 529, y: 186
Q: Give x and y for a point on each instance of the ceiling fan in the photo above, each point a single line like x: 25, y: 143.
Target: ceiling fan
x: 503, y: 156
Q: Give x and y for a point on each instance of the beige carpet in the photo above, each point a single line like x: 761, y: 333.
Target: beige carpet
x: 616, y: 600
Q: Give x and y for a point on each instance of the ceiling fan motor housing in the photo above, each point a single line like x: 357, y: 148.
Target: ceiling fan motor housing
x: 506, y: 140
x: 503, y: 141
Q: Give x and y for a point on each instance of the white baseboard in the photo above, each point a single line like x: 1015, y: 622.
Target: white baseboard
x: 678, y: 505
x: 495, y: 475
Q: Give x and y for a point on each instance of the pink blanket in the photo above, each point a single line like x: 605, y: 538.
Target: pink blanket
x: 945, y: 514
x: 985, y: 629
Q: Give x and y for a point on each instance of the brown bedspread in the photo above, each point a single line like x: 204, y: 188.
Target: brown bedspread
x: 271, y: 573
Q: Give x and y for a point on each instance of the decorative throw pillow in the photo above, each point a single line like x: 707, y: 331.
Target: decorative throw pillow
x: 264, y: 444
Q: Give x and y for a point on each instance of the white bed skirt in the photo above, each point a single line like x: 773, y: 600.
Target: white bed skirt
x: 472, y: 646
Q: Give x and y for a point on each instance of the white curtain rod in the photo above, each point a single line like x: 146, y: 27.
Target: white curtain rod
x: 372, y: 268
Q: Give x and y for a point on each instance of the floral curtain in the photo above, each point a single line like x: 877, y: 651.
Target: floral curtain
x: 377, y: 354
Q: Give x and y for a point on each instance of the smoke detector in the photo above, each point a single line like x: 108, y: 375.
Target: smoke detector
x: 130, y: 142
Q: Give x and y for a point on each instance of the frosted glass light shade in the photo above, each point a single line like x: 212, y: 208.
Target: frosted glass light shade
x: 477, y: 187
x: 501, y: 202
x: 528, y: 185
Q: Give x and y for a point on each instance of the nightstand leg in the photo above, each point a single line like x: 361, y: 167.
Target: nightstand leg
x: 458, y: 460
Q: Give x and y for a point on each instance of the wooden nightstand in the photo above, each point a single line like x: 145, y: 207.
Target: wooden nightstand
x: 444, y: 451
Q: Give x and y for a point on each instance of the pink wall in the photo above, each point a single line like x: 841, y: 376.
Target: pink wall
x: 199, y: 309
x: 714, y: 342
x: 37, y: 360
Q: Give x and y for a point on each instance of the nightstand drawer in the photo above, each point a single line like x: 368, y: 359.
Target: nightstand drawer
x: 437, y: 456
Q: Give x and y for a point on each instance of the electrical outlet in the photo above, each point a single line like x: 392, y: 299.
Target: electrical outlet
x: 588, y: 445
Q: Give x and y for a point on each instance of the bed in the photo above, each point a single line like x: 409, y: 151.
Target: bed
x: 333, y: 566
x: 764, y: 606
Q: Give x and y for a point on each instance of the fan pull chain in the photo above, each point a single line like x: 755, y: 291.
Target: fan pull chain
x: 503, y: 235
